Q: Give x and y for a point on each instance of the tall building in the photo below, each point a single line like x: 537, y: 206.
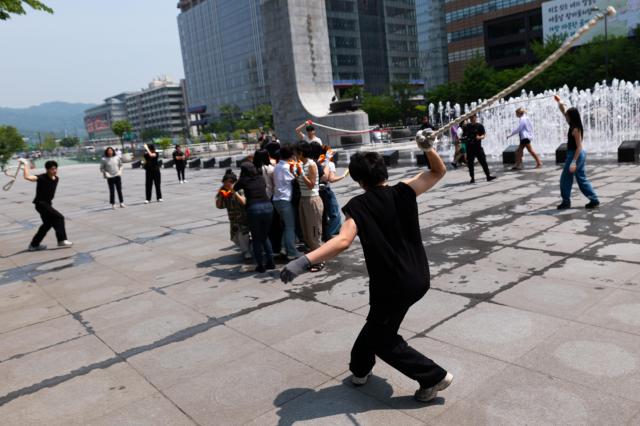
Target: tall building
x: 222, y: 45
x: 465, y: 23
x: 432, y: 42
x: 98, y: 120
x: 373, y: 44
x: 161, y: 106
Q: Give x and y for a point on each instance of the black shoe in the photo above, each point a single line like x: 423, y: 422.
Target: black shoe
x: 270, y: 266
x: 592, y: 205
x: 454, y: 165
x: 564, y: 206
x: 490, y: 178
x: 472, y: 180
x: 260, y: 269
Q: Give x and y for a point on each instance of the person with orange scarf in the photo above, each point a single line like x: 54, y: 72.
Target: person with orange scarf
x: 234, y: 202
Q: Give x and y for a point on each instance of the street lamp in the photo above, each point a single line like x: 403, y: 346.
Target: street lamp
x: 606, y: 45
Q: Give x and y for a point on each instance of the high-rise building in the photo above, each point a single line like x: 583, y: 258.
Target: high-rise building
x: 161, y: 107
x: 98, y: 120
x: 222, y: 45
x: 373, y: 44
x: 432, y: 42
x: 465, y: 23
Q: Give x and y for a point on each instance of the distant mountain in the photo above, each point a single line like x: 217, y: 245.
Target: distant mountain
x: 51, y: 117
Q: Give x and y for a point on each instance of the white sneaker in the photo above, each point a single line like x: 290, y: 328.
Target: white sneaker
x: 122, y: 205
x: 39, y: 247
x: 359, y: 381
x: 180, y: 182
x: 160, y: 200
x: 429, y: 394
x: 185, y: 181
x: 65, y: 244
x: 113, y: 206
x: 146, y: 201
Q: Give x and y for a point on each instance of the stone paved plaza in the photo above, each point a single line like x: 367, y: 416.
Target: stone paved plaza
x: 152, y: 319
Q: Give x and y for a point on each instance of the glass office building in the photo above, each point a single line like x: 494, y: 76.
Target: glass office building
x: 432, y: 42
x: 222, y: 45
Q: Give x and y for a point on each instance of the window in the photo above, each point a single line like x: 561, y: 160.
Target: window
x: 464, y: 33
x: 465, y: 55
x: 482, y: 8
x: 347, y: 60
x: 342, y: 24
x: 346, y: 42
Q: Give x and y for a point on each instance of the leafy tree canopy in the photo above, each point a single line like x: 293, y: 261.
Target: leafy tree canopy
x: 69, y: 141
x: 11, y: 142
x: 16, y: 7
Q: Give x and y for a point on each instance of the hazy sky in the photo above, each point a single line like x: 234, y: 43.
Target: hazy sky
x: 87, y: 50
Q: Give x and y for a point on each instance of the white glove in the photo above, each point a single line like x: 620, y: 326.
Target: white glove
x: 425, y: 139
x: 24, y: 161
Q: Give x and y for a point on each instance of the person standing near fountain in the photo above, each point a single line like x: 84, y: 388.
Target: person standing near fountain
x: 525, y: 132
x: 575, y: 162
x: 473, y: 133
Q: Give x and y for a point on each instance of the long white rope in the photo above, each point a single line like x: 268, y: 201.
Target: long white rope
x: 610, y: 11
x: 13, y: 177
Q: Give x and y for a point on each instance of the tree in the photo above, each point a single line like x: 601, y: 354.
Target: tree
x: 381, y: 109
x: 119, y: 128
x: 164, y: 143
x: 16, y: 7
x: 70, y: 141
x: 10, y: 142
x: 49, y: 144
x: 150, y: 134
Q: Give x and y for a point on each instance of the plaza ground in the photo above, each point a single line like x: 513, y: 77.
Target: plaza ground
x: 152, y: 318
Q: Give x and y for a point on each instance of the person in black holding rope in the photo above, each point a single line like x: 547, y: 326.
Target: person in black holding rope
x: 386, y: 220
x: 473, y: 133
x: 47, y: 183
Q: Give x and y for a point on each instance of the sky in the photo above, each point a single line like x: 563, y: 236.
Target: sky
x: 87, y: 50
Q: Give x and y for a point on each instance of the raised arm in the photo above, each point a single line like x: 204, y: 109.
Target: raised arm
x: 27, y: 175
x: 299, y: 131
x: 424, y: 180
x: 561, y: 105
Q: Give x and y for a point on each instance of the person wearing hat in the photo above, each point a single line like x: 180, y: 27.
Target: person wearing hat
x: 525, y: 132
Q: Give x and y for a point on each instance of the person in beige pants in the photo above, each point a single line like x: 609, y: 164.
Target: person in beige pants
x: 311, y: 207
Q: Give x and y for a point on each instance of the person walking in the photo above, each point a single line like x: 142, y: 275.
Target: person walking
x: 46, y: 185
x: 332, y: 219
x: 259, y: 214
x: 525, y: 132
x: 576, y: 160
x: 111, y: 168
x: 152, y: 173
x: 473, y: 134
x: 283, y: 178
x: 386, y: 220
x: 460, y: 153
x: 234, y: 202
x: 311, y: 207
x: 180, y: 160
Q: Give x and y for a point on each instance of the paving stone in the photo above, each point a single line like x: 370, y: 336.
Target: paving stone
x: 595, y: 272
x: 241, y: 390
x: 558, y: 242
x: 517, y: 396
x: 620, y: 310
x: 602, y: 359
x: 154, y: 410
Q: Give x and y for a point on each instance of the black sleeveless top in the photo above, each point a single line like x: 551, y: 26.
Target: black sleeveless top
x: 571, y: 140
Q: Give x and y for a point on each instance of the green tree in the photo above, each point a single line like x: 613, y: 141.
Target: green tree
x: 49, y: 144
x: 119, y: 128
x: 264, y: 115
x: 11, y: 141
x: 150, y: 134
x: 69, y: 141
x: 164, y: 143
x: 381, y: 109
x: 16, y: 7
x: 208, y: 138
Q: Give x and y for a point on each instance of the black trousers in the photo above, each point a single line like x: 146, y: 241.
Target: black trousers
x: 115, y: 183
x: 275, y: 232
x: 380, y: 337
x: 152, y: 179
x: 180, y: 170
x: 51, y: 218
x: 475, y: 150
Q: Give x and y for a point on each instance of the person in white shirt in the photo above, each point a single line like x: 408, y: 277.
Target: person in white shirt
x: 310, y: 136
x: 283, y: 178
x: 525, y: 132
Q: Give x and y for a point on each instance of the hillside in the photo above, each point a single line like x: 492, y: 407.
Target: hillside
x: 56, y: 117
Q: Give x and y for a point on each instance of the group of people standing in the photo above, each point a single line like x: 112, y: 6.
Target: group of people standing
x: 111, y: 168
x: 283, y: 195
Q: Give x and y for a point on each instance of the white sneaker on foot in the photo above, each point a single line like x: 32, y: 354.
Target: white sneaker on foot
x: 429, y: 394
x: 359, y: 381
x: 160, y: 200
x: 185, y: 181
x: 113, y: 206
x: 180, y: 182
x: 146, y: 201
x: 65, y: 243
x: 122, y: 205
x: 39, y: 247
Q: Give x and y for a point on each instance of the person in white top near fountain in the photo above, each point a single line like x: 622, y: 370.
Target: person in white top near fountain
x: 525, y: 132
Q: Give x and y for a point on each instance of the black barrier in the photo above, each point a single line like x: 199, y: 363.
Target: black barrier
x: 629, y: 152
x: 391, y: 157
x: 136, y: 164
x: 209, y: 164
x: 168, y: 164
x: 195, y: 163
x: 225, y: 164
x: 509, y: 154
x: 422, y: 159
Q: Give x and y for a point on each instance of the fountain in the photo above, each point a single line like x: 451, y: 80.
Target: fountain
x: 610, y: 114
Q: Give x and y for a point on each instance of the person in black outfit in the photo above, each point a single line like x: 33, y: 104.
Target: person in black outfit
x: 259, y: 214
x: 180, y: 160
x: 46, y: 184
x: 385, y: 218
x: 473, y: 133
x: 152, y: 173
x: 426, y: 124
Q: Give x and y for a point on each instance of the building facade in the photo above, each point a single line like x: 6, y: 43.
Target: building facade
x: 465, y: 24
x: 432, y: 42
x: 222, y: 45
x: 508, y: 40
x: 161, y: 107
x: 98, y: 120
x: 373, y: 44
